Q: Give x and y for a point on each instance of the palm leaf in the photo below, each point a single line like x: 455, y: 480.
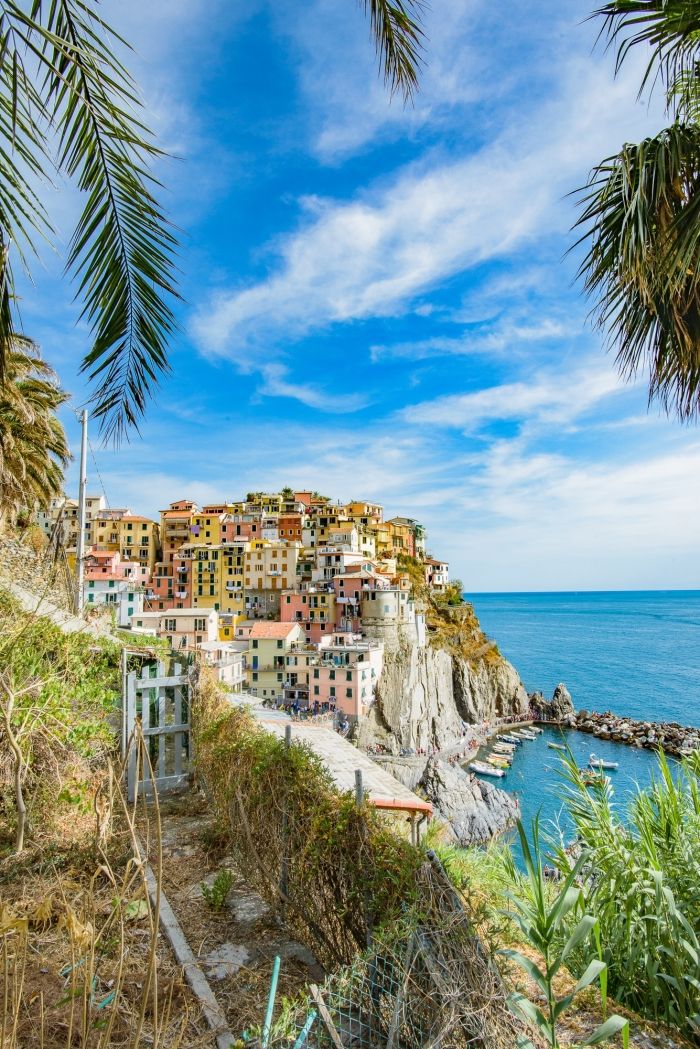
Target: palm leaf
x: 398, y: 37
x: 640, y: 216
x: 122, y: 249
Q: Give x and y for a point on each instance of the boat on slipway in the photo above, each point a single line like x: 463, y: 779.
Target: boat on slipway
x: 485, y: 770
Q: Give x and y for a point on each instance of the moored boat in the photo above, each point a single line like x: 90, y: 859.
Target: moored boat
x: 602, y: 763
x: 527, y: 735
x: 516, y: 740
x: 501, y: 759
x: 505, y: 748
x: 486, y: 770
x: 556, y: 746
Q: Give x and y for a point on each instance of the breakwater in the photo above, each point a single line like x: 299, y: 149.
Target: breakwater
x: 677, y: 740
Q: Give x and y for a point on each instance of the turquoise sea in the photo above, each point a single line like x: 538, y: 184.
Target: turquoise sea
x: 634, y: 652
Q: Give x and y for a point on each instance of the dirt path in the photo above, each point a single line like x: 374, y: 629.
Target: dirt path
x: 236, y: 946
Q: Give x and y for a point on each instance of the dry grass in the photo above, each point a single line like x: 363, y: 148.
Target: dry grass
x: 83, y: 963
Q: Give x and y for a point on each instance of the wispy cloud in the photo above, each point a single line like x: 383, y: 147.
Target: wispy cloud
x: 549, y: 397
x: 488, y: 339
x: 368, y: 257
x: 277, y: 384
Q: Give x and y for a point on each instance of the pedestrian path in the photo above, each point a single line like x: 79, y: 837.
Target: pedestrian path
x: 343, y: 760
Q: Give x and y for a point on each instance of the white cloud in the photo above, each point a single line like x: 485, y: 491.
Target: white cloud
x: 551, y: 397
x: 494, y: 340
x: 370, y: 256
x: 276, y: 384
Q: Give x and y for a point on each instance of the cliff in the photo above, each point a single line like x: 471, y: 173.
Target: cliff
x: 426, y: 693
x: 473, y: 811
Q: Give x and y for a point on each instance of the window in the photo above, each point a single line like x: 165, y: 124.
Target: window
x: 316, y: 690
x: 255, y: 677
x: 332, y: 675
x: 315, y: 673
x: 332, y: 691
x: 171, y: 624
x: 200, y: 624
x: 348, y: 693
x: 279, y: 677
x: 280, y: 644
x: 255, y: 643
x: 348, y: 675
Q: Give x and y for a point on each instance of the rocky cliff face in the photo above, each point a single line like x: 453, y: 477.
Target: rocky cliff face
x: 473, y: 810
x: 425, y: 694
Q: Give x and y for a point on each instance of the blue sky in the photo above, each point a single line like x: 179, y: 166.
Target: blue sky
x: 378, y: 299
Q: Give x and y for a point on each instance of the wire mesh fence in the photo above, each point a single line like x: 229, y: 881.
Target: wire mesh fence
x: 428, y: 982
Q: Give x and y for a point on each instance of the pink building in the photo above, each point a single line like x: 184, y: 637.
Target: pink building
x: 349, y: 587
x: 341, y: 674
x: 238, y: 527
x: 314, y: 609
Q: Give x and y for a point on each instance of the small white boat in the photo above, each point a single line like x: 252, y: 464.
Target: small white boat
x: 556, y: 746
x: 511, y: 739
x: 601, y: 763
x: 528, y: 735
x: 505, y: 748
x: 536, y: 728
x: 485, y: 770
x: 501, y: 759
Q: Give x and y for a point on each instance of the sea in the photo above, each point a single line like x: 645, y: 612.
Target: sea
x: 636, y: 653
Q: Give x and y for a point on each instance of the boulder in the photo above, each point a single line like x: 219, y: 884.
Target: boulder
x: 562, y: 705
x: 474, y: 810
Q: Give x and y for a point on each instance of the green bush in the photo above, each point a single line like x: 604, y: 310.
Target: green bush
x: 641, y: 876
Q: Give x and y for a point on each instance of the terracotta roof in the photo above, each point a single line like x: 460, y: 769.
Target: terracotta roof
x: 266, y: 630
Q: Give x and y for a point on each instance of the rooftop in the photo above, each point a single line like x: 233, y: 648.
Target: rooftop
x: 267, y: 630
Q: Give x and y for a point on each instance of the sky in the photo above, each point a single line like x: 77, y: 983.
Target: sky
x: 380, y: 301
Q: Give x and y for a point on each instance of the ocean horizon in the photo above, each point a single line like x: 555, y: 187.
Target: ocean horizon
x: 635, y: 652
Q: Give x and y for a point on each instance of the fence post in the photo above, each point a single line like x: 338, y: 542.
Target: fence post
x: 284, y: 869
x: 359, y: 801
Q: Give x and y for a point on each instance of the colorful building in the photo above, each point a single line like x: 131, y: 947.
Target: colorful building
x: 185, y: 629
x: 269, y: 644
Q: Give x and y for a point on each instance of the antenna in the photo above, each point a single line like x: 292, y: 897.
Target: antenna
x: 80, y: 566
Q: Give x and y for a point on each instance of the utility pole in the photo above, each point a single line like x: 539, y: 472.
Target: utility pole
x: 81, y: 513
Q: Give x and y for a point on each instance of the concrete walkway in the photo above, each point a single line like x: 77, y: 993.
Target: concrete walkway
x: 41, y: 605
x: 342, y: 760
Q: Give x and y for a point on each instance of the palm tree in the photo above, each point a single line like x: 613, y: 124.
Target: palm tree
x: 67, y: 104
x: 33, y: 448
x: 640, y: 212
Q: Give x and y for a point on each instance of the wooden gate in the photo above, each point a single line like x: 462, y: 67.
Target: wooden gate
x: 160, y: 701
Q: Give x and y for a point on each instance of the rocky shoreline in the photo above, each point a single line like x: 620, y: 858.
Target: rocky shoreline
x: 677, y: 740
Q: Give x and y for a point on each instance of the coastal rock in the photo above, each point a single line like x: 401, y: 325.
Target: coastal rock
x: 474, y: 810
x: 673, y: 738
x: 559, y: 708
x: 425, y: 695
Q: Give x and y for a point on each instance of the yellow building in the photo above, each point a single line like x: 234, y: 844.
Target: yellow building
x: 269, y: 645
x: 217, y: 576
x: 136, y: 538
x: 205, y: 528
x: 271, y: 566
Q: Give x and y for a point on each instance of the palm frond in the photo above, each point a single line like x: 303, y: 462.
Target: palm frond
x: 122, y: 250
x: 640, y: 217
x: 398, y: 37
x: 33, y: 446
x: 670, y: 28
